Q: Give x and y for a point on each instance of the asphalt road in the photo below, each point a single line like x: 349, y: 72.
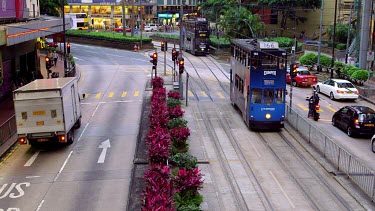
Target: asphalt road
x: 94, y: 172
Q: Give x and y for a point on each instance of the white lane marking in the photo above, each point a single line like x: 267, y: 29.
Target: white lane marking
x: 63, y: 166
x: 252, y: 144
x: 104, y: 145
x: 30, y: 177
x: 108, y: 54
x: 77, y: 58
x: 282, y: 190
x: 40, y: 205
x: 32, y: 159
x: 79, y: 138
x: 85, y: 103
x: 95, y: 110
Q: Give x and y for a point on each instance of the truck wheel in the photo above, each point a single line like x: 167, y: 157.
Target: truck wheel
x: 78, y: 123
x: 70, y: 137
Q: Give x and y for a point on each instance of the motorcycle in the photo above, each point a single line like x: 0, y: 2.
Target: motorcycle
x: 313, y: 110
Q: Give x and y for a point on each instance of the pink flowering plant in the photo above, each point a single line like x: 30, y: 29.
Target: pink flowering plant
x: 159, y: 144
x: 188, y: 181
x: 175, y: 112
x: 174, y: 94
x: 159, y: 94
x: 157, y: 82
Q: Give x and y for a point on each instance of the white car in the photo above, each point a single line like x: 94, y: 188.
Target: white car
x: 151, y: 27
x: 338, y: 89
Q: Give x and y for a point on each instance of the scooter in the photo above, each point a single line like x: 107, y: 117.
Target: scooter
x: 314, y: 112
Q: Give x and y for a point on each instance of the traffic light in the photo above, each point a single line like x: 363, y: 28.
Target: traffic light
x: 154, y: 59
x: 68, y: 48
x: 174, y: 54
x: 293, y: 70
x: 48, y: 63
x: 164, y: 46
x: 181, y: 65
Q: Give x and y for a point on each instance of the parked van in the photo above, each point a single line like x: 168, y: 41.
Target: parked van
x: 151, y: 27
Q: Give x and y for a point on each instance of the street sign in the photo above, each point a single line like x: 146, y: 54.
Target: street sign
x: 370, y: 56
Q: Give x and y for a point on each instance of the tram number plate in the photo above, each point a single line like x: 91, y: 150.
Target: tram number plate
x: 369, y: 125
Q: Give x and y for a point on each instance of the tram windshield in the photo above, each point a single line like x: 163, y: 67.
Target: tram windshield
x: 256, y: 95
x: 268, y: 96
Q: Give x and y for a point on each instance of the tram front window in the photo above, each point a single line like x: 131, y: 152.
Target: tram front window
x: 268, y: 96
x: 256, y: 95
x: 279, y: 96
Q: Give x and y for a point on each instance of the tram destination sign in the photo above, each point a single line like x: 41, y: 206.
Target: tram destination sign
x: 268, y: 45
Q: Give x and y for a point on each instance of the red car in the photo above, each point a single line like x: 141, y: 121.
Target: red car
x: 120, y: 29
x: 51, y: 43
x: 303, y: 78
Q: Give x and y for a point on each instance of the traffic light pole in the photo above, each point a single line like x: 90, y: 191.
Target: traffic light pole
x: 174, y: 65
x: 165, y: 57
x: 181, y: 41
x: 291, y: 73
x: 64, y: 37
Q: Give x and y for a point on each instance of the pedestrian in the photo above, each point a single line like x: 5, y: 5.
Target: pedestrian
x: 55, y: 57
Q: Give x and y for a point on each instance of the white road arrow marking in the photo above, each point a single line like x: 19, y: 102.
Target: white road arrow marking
x: 104, y: 145
x: 32, y: 159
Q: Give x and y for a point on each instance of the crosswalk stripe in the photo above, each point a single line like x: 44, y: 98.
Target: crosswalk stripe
x: 190, y: 94
x: 98, y: 95
x: 220, y: 95
x: 136, y: 93
x: 124, y: 94
x: 111, y: 94
x: 204, y: 94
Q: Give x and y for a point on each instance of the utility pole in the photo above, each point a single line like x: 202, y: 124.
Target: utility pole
x: 123, y: 18
x: 132, y: 19
x: 365, y: 33
x: 165, y: 56
x: 319, y: 68
x: 348, y: 39
x: 181, y: 41
x: 294, y: 48
x: 64, y: 37
x: 333, y: 40
x: 141, y: 21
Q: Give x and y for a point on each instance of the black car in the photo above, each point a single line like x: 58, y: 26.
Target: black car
x: 355, y: 120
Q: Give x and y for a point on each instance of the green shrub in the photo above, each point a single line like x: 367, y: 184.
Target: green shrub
x: 325, y: 61
x: 107, y: 36
x: 360, y: 75
x: 221, y: 42
x: 170, y: 36
x: 188, y: 201
x: 172, y: 102
x: 308, y: 59
x: 340, y: 46
x: 177, y: 122
x: 184, y: 160
x: 352, y: 69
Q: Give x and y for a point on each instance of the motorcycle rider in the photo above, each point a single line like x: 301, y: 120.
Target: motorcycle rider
x: 313, y: 101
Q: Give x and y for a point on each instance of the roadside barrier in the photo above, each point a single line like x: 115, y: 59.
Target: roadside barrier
x: 8, y: 129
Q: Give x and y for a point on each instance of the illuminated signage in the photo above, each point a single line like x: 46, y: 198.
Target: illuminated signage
x: 169, y: 15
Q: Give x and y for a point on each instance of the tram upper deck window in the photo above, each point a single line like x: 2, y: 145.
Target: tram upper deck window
x: 254, y: 62
x: 269, y: 62
x: 256, y: 95
x: 268, y: 96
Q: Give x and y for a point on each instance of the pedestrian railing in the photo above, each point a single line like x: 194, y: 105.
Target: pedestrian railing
x: 8, y: 129
x: 339, y: 157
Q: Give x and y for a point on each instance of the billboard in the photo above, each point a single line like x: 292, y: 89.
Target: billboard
x: 104, y: 1
x: 8, y: 9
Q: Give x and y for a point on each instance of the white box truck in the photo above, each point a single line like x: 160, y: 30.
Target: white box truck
x: 47, y: 110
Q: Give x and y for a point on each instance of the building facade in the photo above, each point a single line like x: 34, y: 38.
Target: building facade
x: 20, y: 28
x: 107, y: 14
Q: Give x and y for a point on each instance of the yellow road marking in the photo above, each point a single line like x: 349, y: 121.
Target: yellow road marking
x: 86, y: 96
x: 220, y: 95
x: 190, y: 94
x: 303, y: 107
x: 204, y: 94
x: 98, y: 95
x: 124, y: 94
x: 82, y: 76
x: 111, y: 94
x: 9, y: 154
x: 332, y: 109
x: 136, y: 93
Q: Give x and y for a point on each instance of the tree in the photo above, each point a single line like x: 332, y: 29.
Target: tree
x: 240, y: 23
x: 213, y: 9
x: 287, y: 8
x: 51, y: 7
x: 341, y: 32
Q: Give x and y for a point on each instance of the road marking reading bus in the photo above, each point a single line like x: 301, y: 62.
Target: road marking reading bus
x: 9, y: 192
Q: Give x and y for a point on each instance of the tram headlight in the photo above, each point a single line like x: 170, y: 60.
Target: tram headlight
x: 268, y: 116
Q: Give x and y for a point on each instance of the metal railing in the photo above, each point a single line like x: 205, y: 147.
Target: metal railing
x: 339, y: 157
x: 8, y: 129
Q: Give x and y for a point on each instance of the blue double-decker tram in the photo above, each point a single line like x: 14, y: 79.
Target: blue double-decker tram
x: 258, y: 82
